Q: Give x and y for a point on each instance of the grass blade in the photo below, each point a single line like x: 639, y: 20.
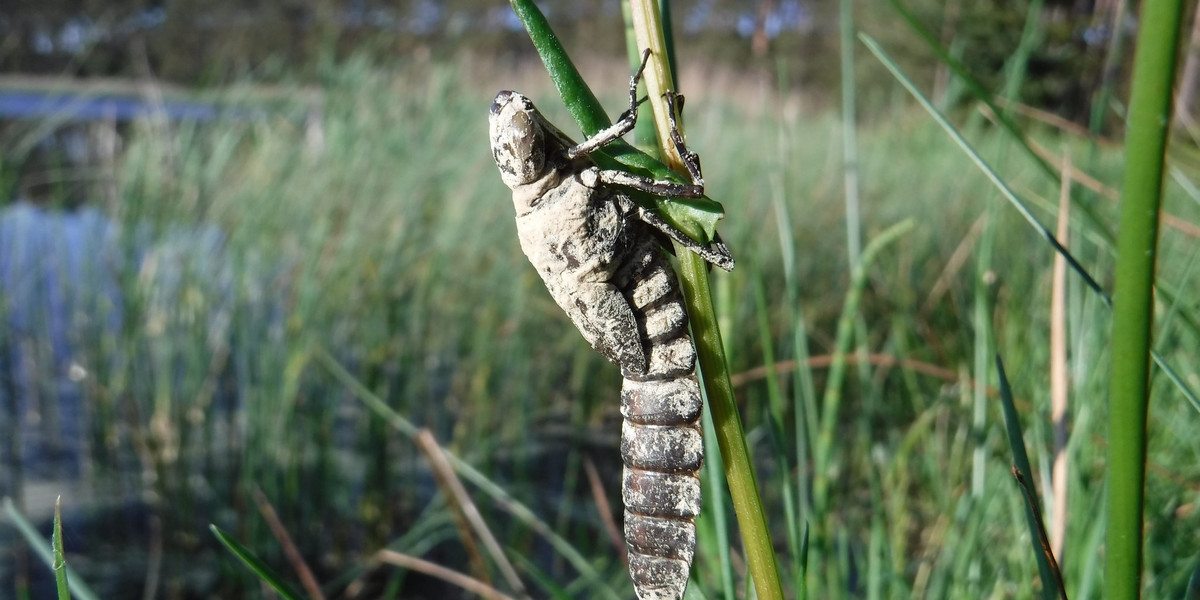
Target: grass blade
x: 1193, y: 588
x: 60, y: 557
x: 256, y: 565
x: 42, y: 548
x: 990, y: 173
x: 599, y: 587
x: 849, y: 131
x: 1012, y: 198
x: 831, y: 401
x: 1052, y: 585
x: 1129, y: 390
x: 583, y: 105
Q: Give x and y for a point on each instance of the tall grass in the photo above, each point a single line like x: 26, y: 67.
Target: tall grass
x: 392, y: 249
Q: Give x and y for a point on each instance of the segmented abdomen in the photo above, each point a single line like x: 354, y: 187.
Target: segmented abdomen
x: 661, y: 442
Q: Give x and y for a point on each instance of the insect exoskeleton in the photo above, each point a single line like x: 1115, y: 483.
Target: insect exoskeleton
x: 597, y: 252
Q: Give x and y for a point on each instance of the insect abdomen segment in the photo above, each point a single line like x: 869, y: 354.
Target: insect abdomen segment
x: 661, y: 443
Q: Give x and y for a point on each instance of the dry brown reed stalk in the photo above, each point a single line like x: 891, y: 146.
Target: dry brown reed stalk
x: 413, y: 563
x: 460, y: 500
x: 602, y: 506
x: 1058, y: 368
x: 289, y: 547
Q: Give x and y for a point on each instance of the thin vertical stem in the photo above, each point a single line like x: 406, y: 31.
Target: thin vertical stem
x: 697, y: 292
x: 831, y: 401
x: 849, y: 132
x: 1146, y: 137
x: 1059, y: 384
x: 1112, y: 62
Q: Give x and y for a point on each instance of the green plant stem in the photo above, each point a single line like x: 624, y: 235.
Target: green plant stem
x: 1018, y: 63
x: 60, y: 556
x: 1112, y: 64
x: 739, y: 471
x: 44, y: 550
x: 1146, y: 137
x: 590, y: 116
x: 714, y: 369
x: 849, y: 132
x: 837, y: 367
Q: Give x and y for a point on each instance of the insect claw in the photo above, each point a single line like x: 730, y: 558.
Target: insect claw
x: 645, y: 59
x: 637, y: 75
x: 680, y: 98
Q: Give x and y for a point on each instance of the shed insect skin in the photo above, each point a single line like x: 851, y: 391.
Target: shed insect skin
x: 597, y: 252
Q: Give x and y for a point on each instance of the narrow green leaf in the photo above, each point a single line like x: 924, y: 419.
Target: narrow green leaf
x: 43, y: 549
x: 983, y: 95
x: 831, y: 401
x: 580, y: 101
x: 1193, y: 589
x: 599, y: 587
x: 1176, y: 379
x: 1052, y: 585
x: 802, y: 593
x: 1011, y: 196
x: 252, y: 562
x: 60, y: 557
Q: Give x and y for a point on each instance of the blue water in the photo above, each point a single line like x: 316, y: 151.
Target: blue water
x: 75, y: 107
x: 62, y: 308
x: 60, y: 295
x: 43, y: 257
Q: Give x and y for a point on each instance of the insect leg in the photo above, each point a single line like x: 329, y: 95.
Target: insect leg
x: 658, y: 187
x: 623, y: 125
x: 691, y: 160
x: 716, y: 253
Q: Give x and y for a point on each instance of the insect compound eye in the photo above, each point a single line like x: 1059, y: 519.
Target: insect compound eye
x: 518, y: 139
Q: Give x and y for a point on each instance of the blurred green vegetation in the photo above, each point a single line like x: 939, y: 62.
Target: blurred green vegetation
x: 217, y: 42
x: 389, y: 244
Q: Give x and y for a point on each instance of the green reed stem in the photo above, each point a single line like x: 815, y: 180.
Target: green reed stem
x: 837, y: 367
x: 1133, y: 306
x: 714, y: 369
